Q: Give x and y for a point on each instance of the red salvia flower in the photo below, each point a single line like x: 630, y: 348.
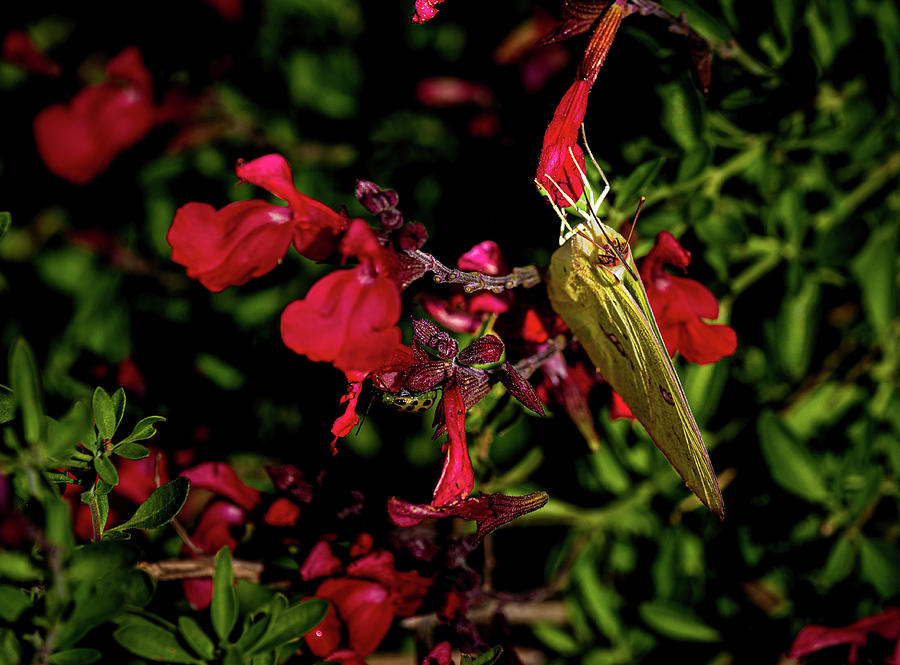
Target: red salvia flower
x: 681, y: 305
x: 557, y: 164
x: 886, y: 625
x: 19, y: 49
x: 227, y: 247
x: 78, y: 141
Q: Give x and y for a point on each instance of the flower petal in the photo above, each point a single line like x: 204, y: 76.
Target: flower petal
x: 457, y: 477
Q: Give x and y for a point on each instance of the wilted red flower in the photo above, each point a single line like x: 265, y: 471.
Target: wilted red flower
x: 227, y: 247
x: 814, y: 638
x: 425, y: 10
x: 79, y: 140
x: 489, y: 511
x: 680, y: 306
x: 557, y: 164
x: 18, y: 48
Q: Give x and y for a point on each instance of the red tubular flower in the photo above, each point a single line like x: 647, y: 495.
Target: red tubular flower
x: 221, y: 479
x: 681, y: 305
x: 78, y: 141
x: 19, y: 49
x: 457, y: 477
x: 227, y: 247
x: 557, y: 164
x: 814, y: 638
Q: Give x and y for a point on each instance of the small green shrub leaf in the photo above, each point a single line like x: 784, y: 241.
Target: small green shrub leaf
x: 104, y: 414
x: 161, y: 507
x: 223, y: 609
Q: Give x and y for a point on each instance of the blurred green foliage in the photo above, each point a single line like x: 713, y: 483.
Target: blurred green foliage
x: 782, y: 182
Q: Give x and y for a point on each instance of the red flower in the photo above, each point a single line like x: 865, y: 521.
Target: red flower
x: 681, y: 305
x: 886, y: 625
x: 320, y: 562
x: 446, y: 91
x: 78, y: 141
x: 282, y: 512
x: 227, y: 247
x: 618, y: 409
x: 457, y: 477
x: 557, y: 164
x: 221, y: 479
x: 349, y: 317
x: 425, y: 10
x: 364, y: 607
x: 19, y: 49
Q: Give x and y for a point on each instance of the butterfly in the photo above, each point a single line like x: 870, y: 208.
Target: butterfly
x: 595, y: 287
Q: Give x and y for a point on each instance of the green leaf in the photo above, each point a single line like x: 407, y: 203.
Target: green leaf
x: 10, y: 649
x: 556, y: 638
x: 153, y: 642
x: 13, y: 601
x: 641, y: 177
x: 880, y: 566
x: 292, y: 622
x: 25, y: 383
x: 796, y: 328
x: 875, y: 270
x: 839, y: 564
x: 677, y: 622
x: 75, y: 657
x: 682, y: 114
x: 17, y: 566
x: 234, y: 656
x: 104, y: 414
x: 59, y: 523
x: 161, y: 507
x: 489, y: 657
x: 73, y: 428
x: 7, y: 406
x: 131, y: 450
x: 106, y: 469
x: 143, y: 430
x: 223, y: 608
x: 792, y: 465
x: 5, y: 223
x: 118, y: 402
x: 699, y: 19
x: 195, y: 637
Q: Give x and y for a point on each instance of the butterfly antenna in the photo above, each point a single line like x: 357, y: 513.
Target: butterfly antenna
x: 564, y: 222
x: 634, y: 221
x: 598, y: 224
x: 596, y: 165
x: 366, y: 413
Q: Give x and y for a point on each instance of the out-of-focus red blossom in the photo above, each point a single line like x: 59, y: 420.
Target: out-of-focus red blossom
x: 362, y: 544
x: 425, y: 10
x: 220, y: 478
x: 78, y: 141
x: 282, y: 512
x: 814, y: 638
x: 439, y: 655
x: 536, y: 65
x: 557, y: 163
x: 320, y: 562
x: 618, y: 409
x: 365, y: 609
x: 446, y: 91
x: 129, y: 377
x: 247, y: 239
x: 229, y: 10
x: 349, y: 317
x: 570, y: 386
x: 680, y: 306
x: 407, y: 589
x: 19, y: 49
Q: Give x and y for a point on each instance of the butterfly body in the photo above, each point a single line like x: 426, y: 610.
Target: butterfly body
x: 596, y: 289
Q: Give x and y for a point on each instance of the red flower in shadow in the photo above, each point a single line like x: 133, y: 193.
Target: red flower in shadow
x: 19, y: 49
x: 78, y: 141
x: 680, y: 306
x: 886, y: 625
x: 227, y: 247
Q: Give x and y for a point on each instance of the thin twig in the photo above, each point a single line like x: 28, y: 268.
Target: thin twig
x: 179, y: 569
x: 525, y: 277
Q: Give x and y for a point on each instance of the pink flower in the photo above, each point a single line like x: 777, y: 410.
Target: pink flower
x: 19, y: 49
x: 221, y: 479
x: 247, y: 239
x: 78, y: 141
x: 425, y: 10
x: 557, y: 164
x: 681, y: 305
x: 446, y: 91
x: 320, y: 562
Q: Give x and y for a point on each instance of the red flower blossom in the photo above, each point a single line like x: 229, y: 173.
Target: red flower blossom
x: 557, y: 164
x: 227, y: 247
x: 282, y: 512
x: 457, y: 477
x: 78, y: 141
x: 618, y: 409
x: 814, y: 638
x: 19, y: 49
x: 364, y: 607
x: 425, y: 10
x: 680, y: 306
x: 570, y: 386
x: 320, y: 562
x: 445, y: 91
x: 221, y: 479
